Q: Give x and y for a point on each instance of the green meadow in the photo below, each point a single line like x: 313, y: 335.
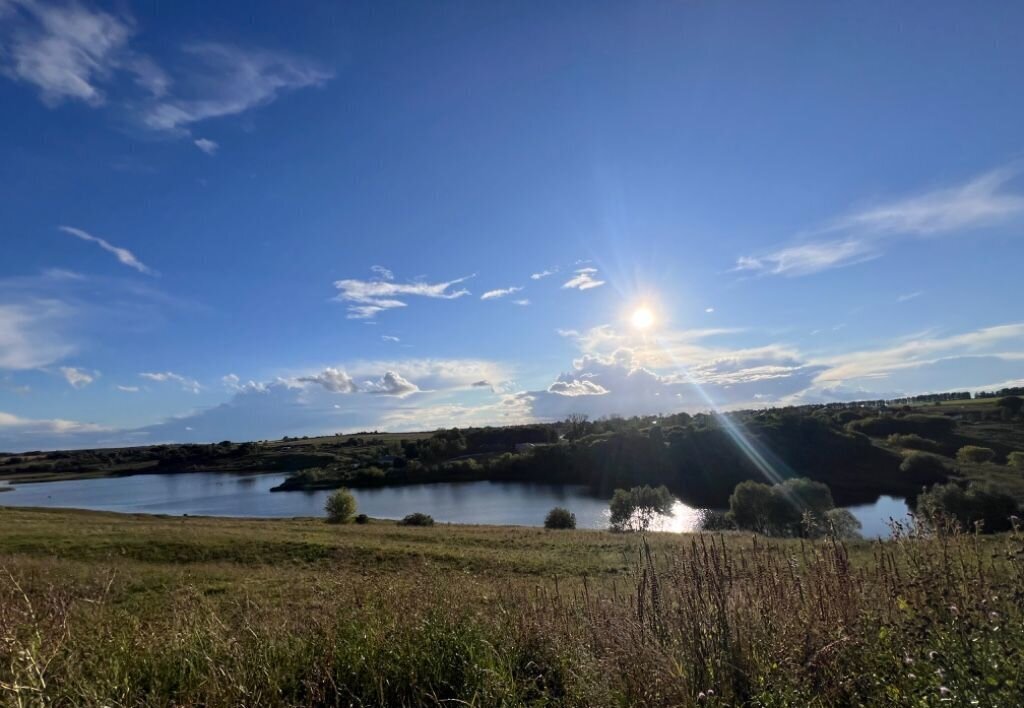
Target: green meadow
x: 117, y: 610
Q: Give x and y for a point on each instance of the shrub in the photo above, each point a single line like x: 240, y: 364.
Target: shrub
x: 925, y: 468
x: 974, y: 454
x: 559, y: 518
x: 977, y: 504
x: 417, y: 519
x: 340, y: 507
x: 931, y: 426
x: 712, y: 520
x: 788, y: 509
x: 841, y: 523
x: 912, y: 441
x: 756, y: 507
x: 635, y: 509
x: 362, y: 519
x: 1011, y: 404
x: 1015, y: 459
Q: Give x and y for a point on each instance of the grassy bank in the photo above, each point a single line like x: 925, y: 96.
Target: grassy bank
x: 102, y: 609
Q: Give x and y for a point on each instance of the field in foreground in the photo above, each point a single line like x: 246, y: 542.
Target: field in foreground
x: 103, y: 609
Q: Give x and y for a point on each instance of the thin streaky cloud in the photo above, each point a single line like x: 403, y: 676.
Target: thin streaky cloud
x: 909, y: 296
x: 185, y: 382
x: 123, y: 255
x: 523, y: 302
x: 583, y: 280
x: 62, y: 274
x: 127, y: 389
x: 976, y: 203
x: 808, y: 258
x: 543, y: 274
x: 500, y: 292
x: 858, y: 237
x: 369, y: 297
x: 227, y: 80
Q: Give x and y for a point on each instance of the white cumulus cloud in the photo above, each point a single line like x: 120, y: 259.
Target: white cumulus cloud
x: 334, y: 380
x: 391, y: 384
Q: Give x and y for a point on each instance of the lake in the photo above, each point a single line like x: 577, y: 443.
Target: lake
x: 220, y: 494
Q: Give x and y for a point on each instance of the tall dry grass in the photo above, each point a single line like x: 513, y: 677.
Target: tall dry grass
x: 922, y: 620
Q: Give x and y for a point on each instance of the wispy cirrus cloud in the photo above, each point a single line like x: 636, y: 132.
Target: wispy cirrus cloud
x: 861, y: 236
x: 225, y: 80
x: 368, y: 297
x: 30, y: 336
x: 123, y: 255
x: 10, y: 423
x: 584, y: 279
x: 500, y: 292
x: 188, y: 384
x: 66, y: 51
x: 1001, y: 342
x: 807, y: 258
x: 543, y: 274
x: 72, y: 52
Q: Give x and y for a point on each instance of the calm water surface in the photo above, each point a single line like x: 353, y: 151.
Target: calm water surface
x: 219, y: 494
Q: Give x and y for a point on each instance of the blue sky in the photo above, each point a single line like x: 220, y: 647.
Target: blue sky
x: 237, y: 221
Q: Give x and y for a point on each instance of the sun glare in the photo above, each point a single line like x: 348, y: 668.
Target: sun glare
x: 642, y: 318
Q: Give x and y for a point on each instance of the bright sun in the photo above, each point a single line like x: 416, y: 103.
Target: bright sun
x: 642, y: 317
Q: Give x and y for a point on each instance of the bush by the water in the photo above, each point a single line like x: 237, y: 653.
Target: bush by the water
x: 1015, y: 459
x: 796, y: 507
x: 636, y: 509
x: 362, y: 519
x: 975, y: 506
x: 560, y: 518
x: 340, y: 507
x: 417, y: 519
x: 974, y: 454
